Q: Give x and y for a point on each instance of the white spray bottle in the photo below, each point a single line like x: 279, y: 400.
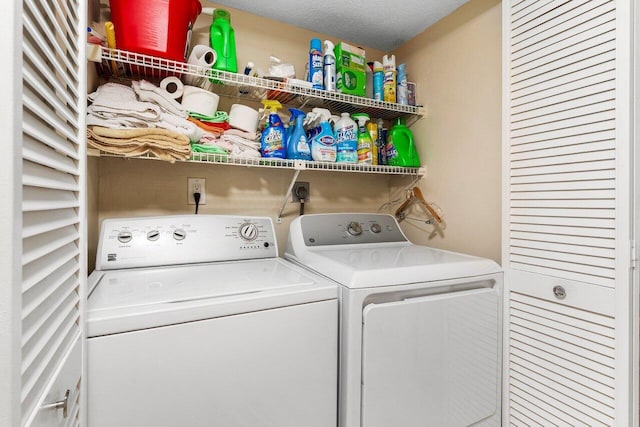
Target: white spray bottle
x: 329, y: 67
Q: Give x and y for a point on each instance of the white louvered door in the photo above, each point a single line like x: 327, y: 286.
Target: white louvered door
x: 567, y: 213
x: 48, y: 110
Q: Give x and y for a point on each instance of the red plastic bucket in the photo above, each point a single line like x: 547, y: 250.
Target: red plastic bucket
x: 159, y: 28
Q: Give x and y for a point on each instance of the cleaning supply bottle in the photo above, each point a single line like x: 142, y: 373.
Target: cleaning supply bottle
x: 372, y: 128
x: 389, y: 66
x: 401, y: 151
x: 297, y: 143
x: 369, y: 80
x: 323, y: 143
x: 346, y: 134
x: 378, y: 81
x: 329, y: 67
x: 272, y: 142
x: 223, y: 41
x: 382, y: 142
x: 315, y: 63
x: 401, y: 91
x: 364, y: 139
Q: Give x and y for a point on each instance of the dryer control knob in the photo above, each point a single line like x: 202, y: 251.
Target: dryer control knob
x: 354, y: 228
x: 375, y: 228
x: 153, y: 235
x: 125, y: 236
x: 179, y: 234
x: 248, y: 232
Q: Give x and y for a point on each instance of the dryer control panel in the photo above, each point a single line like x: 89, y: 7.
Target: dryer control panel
x: 343, y: 229
x: 183, y: 239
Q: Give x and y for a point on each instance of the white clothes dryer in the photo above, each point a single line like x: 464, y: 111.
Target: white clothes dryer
x: 420, y: 328
x: 195, y: 321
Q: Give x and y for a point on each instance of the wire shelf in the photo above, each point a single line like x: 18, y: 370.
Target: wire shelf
x: 114, y: 63
x: 282, y: 163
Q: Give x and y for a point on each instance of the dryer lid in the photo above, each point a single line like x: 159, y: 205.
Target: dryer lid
x: 362, y: 266
x: 126, y: 300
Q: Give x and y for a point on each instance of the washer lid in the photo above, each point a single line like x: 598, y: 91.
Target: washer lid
x: 128, y: 300
x: 363, y: 266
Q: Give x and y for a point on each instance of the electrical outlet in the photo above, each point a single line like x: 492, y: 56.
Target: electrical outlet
x: 196, y: 185
x: 300, y: 189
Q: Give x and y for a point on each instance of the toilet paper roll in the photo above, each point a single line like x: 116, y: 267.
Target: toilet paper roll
x: 203, y: 56
x: 173, y: 86
x: 243, y: 118
x: 201, y: 101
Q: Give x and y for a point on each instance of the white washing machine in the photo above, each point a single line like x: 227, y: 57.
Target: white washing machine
x: 195, y: 321
x: 420, y: 328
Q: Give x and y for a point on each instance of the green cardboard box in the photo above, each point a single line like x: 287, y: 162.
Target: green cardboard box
x: 350, y: 72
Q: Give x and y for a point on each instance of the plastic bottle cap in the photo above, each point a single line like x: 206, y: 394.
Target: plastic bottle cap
x: 315, y: 44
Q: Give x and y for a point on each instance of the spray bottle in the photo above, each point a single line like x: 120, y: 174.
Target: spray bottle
x: 389, y: 66
x: 329, y: 67
x: 297, y: 143
x: 315, y: 63
x: 223, y: 40
x: 323, y: 143
x: 364, y: 139
x: 272, y: 142
x: 346, y: 134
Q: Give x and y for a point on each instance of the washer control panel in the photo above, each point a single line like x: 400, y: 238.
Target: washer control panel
x: 341, y: 229
x: 183, y: 239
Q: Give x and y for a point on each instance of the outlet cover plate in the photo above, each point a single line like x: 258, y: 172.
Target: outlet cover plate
x: 192, y: 184
x: 294, y: 191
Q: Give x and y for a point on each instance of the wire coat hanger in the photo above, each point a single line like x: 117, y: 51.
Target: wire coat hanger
x: 416, y: 197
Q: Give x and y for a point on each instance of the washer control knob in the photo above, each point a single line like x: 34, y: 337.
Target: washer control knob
x: 354, y: 228
x: 375, y: 228
x: 153, y: 235
x: 179, y: 234
x: 125, y: 236
x: 248, y: 231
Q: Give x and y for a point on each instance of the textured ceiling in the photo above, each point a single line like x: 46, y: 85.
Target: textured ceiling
x: 380, y: 24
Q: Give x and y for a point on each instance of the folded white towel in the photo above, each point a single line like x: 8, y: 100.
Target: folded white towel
x: 147, y: 91
x: 115, y: 121
x: 114, y: 98
x: 180, y: 125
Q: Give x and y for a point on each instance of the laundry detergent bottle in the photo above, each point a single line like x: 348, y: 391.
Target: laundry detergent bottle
x: 297, y: 143
x: 365, y: 143
x: 400, y: 150
x: 272, y: 142
x: 223, y: 41
x: 346, y: 134
x: 323, y: 143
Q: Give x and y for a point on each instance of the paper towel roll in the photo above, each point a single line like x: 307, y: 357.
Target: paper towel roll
x: 173, y: 86
x: 203, y: 56
x: 201, y: 101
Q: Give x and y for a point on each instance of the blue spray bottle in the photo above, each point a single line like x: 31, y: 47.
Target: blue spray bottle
x: 273, y: 142
x: 297, y: 143
x: 323, y: 143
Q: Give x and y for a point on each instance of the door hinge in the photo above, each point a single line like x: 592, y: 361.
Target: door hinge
x: 634, y: 254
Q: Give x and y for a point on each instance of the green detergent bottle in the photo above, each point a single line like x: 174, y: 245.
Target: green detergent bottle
x: 401, y: 151
x: 223, y: 41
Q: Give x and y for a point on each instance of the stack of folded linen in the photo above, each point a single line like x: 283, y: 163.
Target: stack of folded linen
x: 140, y: 119
x: 234, y: 142
x: 163, y: 144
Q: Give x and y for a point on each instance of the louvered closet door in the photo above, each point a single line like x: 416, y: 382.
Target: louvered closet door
x: 566, y: 236
x: 53, y: 208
